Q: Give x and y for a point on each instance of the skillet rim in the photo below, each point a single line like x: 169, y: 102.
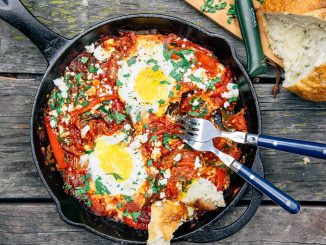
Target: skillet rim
x: 68, y: 44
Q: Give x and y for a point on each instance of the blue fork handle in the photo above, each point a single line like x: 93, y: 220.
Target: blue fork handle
x: 306, y: 148
x: 265, y: 187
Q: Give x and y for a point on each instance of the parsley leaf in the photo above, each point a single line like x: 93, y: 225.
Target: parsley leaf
x: 135, y: 215
x: 138, y: 118
x: 161, y: 102
x: 150, y: 162
x: 100, y: 188
x: 118, y: 83
x: 116, y: 176
x: 84, y: 60
x: 127, y: 198
x: 165, y: 82
x: 118, y: 117
x: 193, y: 113
x: 92, y: 69
x: 132, y: 61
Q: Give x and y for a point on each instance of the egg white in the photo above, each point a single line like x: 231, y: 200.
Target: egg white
x: 146, y: 50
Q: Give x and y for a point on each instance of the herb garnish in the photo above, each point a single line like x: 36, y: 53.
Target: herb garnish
x: 100, y: 188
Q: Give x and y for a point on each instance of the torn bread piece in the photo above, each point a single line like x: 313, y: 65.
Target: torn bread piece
x: 296, y: 33
x: 166, y: 217
x: 203, y: 194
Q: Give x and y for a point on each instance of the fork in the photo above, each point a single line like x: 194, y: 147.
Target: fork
x: 202, y: 130
x: 261, y: 184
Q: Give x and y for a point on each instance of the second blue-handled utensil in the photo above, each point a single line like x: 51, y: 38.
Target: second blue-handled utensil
x: 261, y: 184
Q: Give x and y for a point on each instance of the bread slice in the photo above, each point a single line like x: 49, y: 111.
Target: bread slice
x: 166, y: 217
x: 203, y: 194
x: 296, y: 31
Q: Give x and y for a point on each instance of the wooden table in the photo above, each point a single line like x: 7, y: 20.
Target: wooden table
x: 28, y: 215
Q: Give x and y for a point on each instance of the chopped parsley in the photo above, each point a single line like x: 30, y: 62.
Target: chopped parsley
x: 92, y: 69
x: 161, y: 102
x: 171, y: 94
x: 118, y: 117
x: 119, y: 205
x: 89, y: 152
x: 165, y: 82
x: 100, y: 188
x: 135, y: 215
x: 128, y: 109
x: 153, y: 138
x: 150, y: 162
x: 138, y: 118
x: 127, y: 198
x: 210, y: 7
x: 166, y: 140
x: 126, y: 75
x: 84, y: 60
x: 132, y: 61
x: 193, y: 113
x: 116, y: 176
x: 233, y: 99
x: 232, y: 13
x: 84, y: 103
x: 118, y: 83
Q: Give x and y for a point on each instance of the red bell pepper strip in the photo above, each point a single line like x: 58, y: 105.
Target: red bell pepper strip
x: 220, y: 178
x: 55, y: 145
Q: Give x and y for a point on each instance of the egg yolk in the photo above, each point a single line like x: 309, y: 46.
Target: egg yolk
x: 114, y: 159
x: 151, y: 85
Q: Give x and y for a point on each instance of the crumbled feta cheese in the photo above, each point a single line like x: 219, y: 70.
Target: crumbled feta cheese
x: 83, y: 159
x: 177, y: 158
x: 143, y: 138
x: 162, y: 181
x: 226, y: 104
x: 53, y: 113
x: 90, y: 48
x: 84, y: 131
x: 59, y: 82
x: 53, y: 123
x: 195, y: 103
x: 197, y: 163
x: 162, y: 195
x: 153, y: 170
x: 233, y: 91
x: 158, y: 204
x: 156, y: 153
x: 157, y: 143
x: 127, y: 127
x: 101, y: 54
x: 135, y: 144
x: 100, y: 71
x: 167, y: 174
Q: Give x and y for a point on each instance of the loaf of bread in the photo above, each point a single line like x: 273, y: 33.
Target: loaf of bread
x: 296, y: 31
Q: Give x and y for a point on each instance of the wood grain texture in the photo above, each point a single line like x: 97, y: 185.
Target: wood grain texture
x: 69, y: 18
x: 221, y: 18
x: 41, y: 224
x: 306, y: 120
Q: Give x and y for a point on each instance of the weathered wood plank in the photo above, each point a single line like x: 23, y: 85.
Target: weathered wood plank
x: 69, y: 18
x: 41, y: 224
x: 18, y: 177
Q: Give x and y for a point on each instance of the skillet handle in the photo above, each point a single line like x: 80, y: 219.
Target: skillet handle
x: 47, y: 41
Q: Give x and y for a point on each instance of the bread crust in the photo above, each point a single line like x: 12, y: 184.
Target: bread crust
x: 165, y: 220
x: 315, y: 8
x: 313, y: 86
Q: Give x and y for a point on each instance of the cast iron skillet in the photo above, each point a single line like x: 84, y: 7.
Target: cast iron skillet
x: 59, y: 51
